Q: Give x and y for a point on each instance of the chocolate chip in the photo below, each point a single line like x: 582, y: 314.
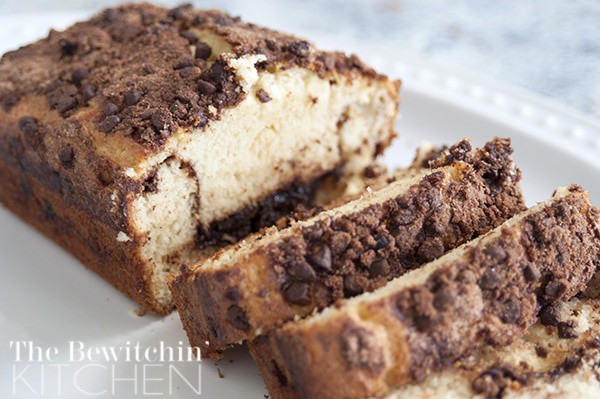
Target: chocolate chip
x: 205, y: 87
x: 593, y: 288
x: 321, y: 257
x: 489, y: 280
x: 110, y: 109
x: 28, y: 125
x: 442, y: 299
x: 78, y: 75
x: 233, y: 294
x: 379, y: 268
x: 541, y: 351
x: 65, y: 103
x: 148, y: 69
x: 549, y: 316
x: 511, y: 311
x: 67, y: 156
x: 423, y: 322
x: 566, y: 330
x: 31, y: 131
x: 594, y: 343
x: 109, y: 123
x: 352, y: 285
x: 9, y: 101
x: 132, y: 97
x: 299, y: 49
x: 88, y: 92
x: 216, y: 74
x: 496, y: 252
x: 105, y: 175
x: 430, y: 250
x: 271, y: 44
x: 434, y: 228
x: 161, y: 120
x: 200, y: 120
x: 179, y: 11
x: 297, y: 293
x: 203, y: 51
x: 190, y: 36
x: 225, y: 20
x: 183, y: 63
x: 555, y: 290
x: 263, y: 96
x: 382, y: 242
x: 111, y: 15
x: 186, y: 72
x: 238, y: 318
x: 340, y: 241
x: 531, y: 273
x: 570, y: 363
x: 67, y: 47
x: 150, y: 183
x: 198, y: 20
x: 301, y: 271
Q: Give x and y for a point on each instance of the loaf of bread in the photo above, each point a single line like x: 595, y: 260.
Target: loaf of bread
x: 558, y: 357
x: 256, y: 285
x: 136, y: 137
x: 488, y: 291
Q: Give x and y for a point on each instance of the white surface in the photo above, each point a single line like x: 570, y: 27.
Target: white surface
x: 47, y: 297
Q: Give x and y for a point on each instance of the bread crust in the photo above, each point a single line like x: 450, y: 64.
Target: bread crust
x: 489, y: 294
x: 288, y: 278
x: 75, y: 126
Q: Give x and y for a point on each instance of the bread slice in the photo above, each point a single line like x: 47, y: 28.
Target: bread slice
x: 256, y: 285
x: 144, y: 131
x: 561, y: 360
x: 485, y: 292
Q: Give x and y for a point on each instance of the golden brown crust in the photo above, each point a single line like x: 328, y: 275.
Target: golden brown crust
x: 90, y: 242
x: 315, y: 265
x: 490, y: 294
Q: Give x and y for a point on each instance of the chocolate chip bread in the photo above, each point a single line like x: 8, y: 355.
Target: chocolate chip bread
x: 260, y: 283
x: 558, y: 357
x: 488, y: 291
x: 144, y: 133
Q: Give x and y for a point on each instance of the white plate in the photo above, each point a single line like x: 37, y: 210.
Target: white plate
x: 50, y: 299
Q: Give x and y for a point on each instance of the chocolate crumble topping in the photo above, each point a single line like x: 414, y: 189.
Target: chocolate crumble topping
x: 148, y: 48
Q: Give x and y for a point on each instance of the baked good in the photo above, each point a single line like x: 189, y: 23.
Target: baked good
x: 488, y: 291
x: 256, y: 285
x: 144, y: 132
x: 558, y: 357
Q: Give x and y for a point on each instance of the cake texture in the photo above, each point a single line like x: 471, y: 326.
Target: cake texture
x: 258, y: 284
x: 144, y: 134
x: 488, y: 291
x: 558, y: 357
